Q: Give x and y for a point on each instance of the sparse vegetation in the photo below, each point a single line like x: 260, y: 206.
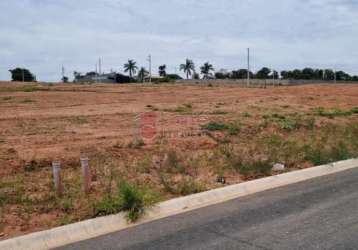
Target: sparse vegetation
x: 136, y: 144
x: 25, y: 88
x: 127, y: 198
x: 217, y: 136
x: 233, y: 128
x: 27, y: 101
x: 185, y: 108
x: 7, y: 98
x: 336, y: 112
x: 79, y: 120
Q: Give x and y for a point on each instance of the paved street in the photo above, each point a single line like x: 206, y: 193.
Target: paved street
x: 317, y: 214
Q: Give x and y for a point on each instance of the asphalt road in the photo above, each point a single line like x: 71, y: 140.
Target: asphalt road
x: 316, y: 214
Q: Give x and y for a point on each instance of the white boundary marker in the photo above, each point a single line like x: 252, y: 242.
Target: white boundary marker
x: 104, y: 225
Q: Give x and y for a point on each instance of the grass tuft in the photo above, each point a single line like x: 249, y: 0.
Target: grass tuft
x: 128, y: 198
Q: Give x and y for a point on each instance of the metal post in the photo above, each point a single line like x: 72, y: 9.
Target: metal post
x: 56, y: 168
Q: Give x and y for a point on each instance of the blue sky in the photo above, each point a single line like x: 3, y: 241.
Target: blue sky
x: 42, y: 35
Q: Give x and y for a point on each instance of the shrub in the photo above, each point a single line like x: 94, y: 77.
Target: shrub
x: 340, y: 152
x: 172, y: 164
x: 35, y: 165
x: 333, y: 112
x: 7, y: 98
x: 128, y: 198
x: 185, y: 108
x: 27, y: 101
x: 318, y: 155
x: 190, y: 186
x: 219, y: 112
x: 233, y: 128
x: 78, y: 120
x: 215, y: 126
x: 246, y: 114
x: 136, y: 144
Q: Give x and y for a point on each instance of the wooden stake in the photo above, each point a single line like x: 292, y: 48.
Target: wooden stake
x: 86, y: 174
x: 56, y: 168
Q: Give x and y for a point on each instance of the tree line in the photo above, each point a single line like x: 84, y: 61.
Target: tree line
x: 207, y: 71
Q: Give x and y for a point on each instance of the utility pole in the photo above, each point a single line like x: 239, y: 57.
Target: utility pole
x: 96, y: 74
x: 63, y: 73
x: 23, y: 74
x: 335, y: 75
x: 273, y: 76
x: 99, y: 66
x: 150, y: 68
x: 248, y: 67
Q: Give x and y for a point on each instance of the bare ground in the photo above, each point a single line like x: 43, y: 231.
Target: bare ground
x: 40, y: 123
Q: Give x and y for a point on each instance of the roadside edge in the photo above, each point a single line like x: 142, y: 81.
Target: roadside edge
x: 92, y: 228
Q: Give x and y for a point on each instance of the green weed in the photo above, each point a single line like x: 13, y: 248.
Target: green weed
x: 7, y: 98
x: 128, y: 198
x: 336, y: 112
x: 233, y: 128
x: 27, y: 101
x: 79, y: 120
x: 190, y: 186
x: 136, y: 144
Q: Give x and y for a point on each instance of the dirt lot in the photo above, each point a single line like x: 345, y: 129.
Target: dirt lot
x: 172, y: 139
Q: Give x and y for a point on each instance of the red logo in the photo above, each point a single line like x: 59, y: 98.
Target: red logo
x: 148, y: 125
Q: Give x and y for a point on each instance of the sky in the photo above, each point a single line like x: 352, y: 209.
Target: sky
x: 43, y: 35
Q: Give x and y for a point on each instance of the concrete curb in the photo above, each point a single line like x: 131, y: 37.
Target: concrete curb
x: 100, y: 226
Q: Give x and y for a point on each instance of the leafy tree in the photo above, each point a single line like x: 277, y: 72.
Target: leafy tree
x: 328, y: 74
x: 188, y: 67
x: 274, y: 74
x: 206, y: 69
x: 142, y: 73
x: 241, y: 74
x: 342, y: 76
x: 263, y: 73
x: 162, y: 70
x: 285, y: 74
x: 130, y: 67
x: 196, y: 76
x: 221, y: 75
x: 22, y: 74
x: 297, y: 74
x: 65, y: 79
x: 308, y: 74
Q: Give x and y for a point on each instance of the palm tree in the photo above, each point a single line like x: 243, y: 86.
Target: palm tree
x: 162, y: 70
x: 130, y: 67
x: 206, y: 69
x: 142, y: 73
x: 188, y: 67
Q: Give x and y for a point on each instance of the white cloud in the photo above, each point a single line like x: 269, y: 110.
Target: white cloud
x: 44, y: 34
